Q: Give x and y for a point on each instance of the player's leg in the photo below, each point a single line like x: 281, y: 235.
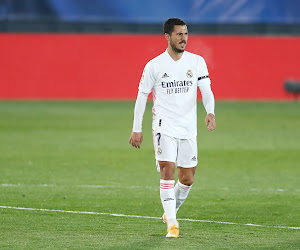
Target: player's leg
x: 167, y: 194
x: 186, y: 175
x: 166, y: 154
x: 183, y: 185
x: 187, y: 161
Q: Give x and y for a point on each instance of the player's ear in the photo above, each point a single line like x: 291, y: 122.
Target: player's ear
x: 167, y: 36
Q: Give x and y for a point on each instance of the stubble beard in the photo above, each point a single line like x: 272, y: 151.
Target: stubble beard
x: 175, y: 49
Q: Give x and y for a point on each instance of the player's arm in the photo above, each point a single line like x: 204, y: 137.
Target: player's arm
x: 145, y: 88
x: 208, y: 98
x: 136, y: 137
x: 209, y: 105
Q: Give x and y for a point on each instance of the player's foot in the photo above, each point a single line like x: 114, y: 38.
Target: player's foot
x: 173, y: 232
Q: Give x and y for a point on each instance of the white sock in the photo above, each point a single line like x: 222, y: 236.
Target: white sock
x: 181, y: 193
x: 168, y: 200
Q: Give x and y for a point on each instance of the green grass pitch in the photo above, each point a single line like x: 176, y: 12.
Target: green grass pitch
x: 75, y: 156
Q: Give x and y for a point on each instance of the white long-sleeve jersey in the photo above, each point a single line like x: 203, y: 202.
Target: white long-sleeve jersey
x: 174, y: 86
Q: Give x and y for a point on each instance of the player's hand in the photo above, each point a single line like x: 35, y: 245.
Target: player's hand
x: 210, y: 122
x: 136, y: 139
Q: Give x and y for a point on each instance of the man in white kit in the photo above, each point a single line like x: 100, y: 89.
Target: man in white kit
x: 173, y: 78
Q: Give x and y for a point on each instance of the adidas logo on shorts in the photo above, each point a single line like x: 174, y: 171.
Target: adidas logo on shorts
x: 194, y: 158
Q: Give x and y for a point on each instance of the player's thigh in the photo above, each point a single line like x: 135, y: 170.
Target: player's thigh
x: 187, y: 153
x: 165, y: 147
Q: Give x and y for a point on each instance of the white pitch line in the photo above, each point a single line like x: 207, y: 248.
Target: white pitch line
x: 137, y: 187
x: 144, y: 217
x: 82, y: 186
x: 106, y: 186
x: 28, y: 185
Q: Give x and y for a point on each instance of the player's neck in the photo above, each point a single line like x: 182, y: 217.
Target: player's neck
x: 174, y: 55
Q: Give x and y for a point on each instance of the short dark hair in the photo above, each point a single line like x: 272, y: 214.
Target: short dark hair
x: 170, y: 23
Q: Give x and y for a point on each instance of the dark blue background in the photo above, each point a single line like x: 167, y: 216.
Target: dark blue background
x: 153, y: 11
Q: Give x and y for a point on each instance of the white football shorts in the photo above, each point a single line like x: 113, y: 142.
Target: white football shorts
x: 183, y: 152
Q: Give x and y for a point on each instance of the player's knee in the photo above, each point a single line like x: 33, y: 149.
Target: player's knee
x: 187, y: 180
x: 167, y: 174
x: 186, y: 175
x: 167, y: 171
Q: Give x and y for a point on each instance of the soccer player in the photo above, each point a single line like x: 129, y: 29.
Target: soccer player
x: 173, y: 78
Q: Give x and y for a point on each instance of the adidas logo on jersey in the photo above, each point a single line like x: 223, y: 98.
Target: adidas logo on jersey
x: 194, y: 158
x: 165, y: 75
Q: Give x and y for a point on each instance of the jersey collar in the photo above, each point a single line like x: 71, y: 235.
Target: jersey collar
x: 181, y: 58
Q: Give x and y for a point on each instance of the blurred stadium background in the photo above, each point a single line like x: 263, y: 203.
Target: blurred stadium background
x: 68, y: 177
x: 77, y: 49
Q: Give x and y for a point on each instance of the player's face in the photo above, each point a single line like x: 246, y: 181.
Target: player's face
x: 178, y: 38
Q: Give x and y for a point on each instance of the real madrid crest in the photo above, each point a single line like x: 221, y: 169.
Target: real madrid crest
x: 189, y: 74
x: 159, y: 151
